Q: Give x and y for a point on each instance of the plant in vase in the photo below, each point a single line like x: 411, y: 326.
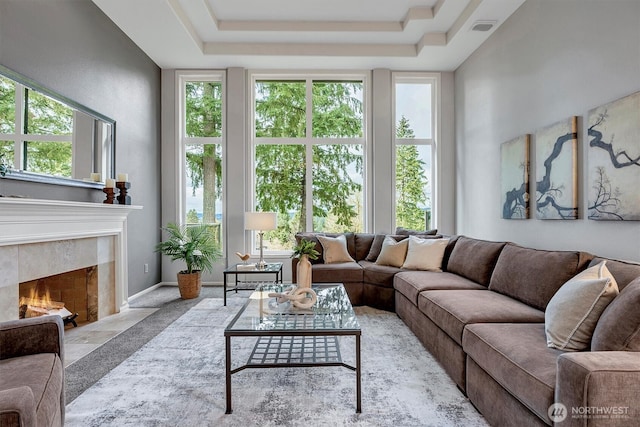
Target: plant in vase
x: 305, y: 250
x: 196, y: 247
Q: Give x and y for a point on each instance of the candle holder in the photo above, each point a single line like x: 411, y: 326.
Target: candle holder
x: 111, y: 194
x: 123, y: 198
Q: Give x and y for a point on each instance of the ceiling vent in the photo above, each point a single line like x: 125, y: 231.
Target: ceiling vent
x: 483, y: 26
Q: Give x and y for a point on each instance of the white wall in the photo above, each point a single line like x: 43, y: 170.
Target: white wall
x: 549, y: 61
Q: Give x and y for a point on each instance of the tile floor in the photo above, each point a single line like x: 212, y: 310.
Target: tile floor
x: 82, y: 340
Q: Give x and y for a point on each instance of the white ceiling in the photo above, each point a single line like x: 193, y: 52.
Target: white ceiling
x: 432, y: 35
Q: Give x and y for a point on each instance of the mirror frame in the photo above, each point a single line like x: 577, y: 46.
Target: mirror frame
x: 21, y: 175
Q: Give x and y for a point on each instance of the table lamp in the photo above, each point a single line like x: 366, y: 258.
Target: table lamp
x: 260, y: 221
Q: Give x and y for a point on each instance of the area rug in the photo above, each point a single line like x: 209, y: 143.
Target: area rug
x: 178, y: 379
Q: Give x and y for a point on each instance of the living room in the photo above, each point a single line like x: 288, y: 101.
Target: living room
x: 544, y: 62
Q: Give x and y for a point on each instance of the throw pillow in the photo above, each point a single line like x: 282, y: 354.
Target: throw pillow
x: 393, y: 252
x: 425, y: 254
x: 335, y: 249
x: 376, y: 246
x: 573, y: 312
x: 619, y: 326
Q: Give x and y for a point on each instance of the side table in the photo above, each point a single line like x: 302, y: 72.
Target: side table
x: 274, y: 268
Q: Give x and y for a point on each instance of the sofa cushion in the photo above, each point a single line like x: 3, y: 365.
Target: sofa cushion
x: 623, y: 271
x: 452, y: 310
x: 425, y: 254
x: 43, y: 374
x: 337, y: 273
x: 574, y: 310
x: 313, y: 236
x: 533, y: 276
x: 516, y: 356
x: 407, y: 232
x: 334, y: 249
x: 381, y: 275
x: 411, y: 283
x: 363, y: 243
x: 474, y: 259
x: 619, y: 326
x: 393, y: 253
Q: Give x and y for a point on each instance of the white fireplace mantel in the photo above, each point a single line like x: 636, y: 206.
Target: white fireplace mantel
x: 26, y: 221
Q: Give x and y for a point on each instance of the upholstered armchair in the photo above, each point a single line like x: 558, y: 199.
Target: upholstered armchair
x: 32, y: 372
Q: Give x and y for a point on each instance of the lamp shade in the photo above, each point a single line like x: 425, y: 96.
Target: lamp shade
x: 260, y: 221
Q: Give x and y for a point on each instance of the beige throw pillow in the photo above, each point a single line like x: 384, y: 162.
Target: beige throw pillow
x: 334, y: 249
x: 425, y: 254
x: 573, y: 312
x: 392, y: 252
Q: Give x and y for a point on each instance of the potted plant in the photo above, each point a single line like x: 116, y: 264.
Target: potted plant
x: 304, y: 250
x: 195, y: 245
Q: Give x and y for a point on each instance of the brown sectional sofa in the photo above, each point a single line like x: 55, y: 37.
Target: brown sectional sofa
x: 32, y: 372
x: 483, y: 319
x: 366, y: 282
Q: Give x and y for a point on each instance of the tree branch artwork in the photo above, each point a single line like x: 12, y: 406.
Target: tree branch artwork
x: 556, y: 188
x: 607, y: 202
x: 515, y: 178
x: 614, y: 160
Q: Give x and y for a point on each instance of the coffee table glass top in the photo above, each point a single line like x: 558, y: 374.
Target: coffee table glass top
x: 251, y: 268
x: 332, y: 312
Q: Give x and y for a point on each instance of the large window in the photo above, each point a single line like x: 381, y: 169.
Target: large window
x: 35, y: 130
x: 201, y: 141
x: 414, y: 150
x: 308, y: 147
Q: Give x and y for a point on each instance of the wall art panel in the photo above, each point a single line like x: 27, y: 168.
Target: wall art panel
x: 613, y: 135
x: 515, y: 178
x: 557, y: 170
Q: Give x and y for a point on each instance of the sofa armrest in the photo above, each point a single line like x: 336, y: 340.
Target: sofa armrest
x: 599, y: 388
x: 44, y: 334
x: 17, y: 407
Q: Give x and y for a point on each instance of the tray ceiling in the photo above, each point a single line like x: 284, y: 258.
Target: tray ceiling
x: 435, y: 35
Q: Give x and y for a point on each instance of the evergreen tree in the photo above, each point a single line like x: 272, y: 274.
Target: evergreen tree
x: 204, y: 119
x: 411, y: 181
x: 281, y: 170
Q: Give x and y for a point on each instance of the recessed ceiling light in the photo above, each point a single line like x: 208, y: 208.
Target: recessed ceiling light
x: 483, y: 25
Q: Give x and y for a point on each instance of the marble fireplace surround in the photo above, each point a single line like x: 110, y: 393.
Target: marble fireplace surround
x: 40, y: 238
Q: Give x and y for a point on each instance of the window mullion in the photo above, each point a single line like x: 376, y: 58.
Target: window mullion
x: 309, y: 155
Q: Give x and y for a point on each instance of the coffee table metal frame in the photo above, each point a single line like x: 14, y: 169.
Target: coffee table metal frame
x: 309, y: 340
x: 271, y: 268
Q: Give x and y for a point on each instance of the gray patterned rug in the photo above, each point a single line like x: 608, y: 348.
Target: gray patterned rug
x: 177, y: 379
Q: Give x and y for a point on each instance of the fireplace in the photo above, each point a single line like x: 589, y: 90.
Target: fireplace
x: 42, y: 239
x: 72, y: 295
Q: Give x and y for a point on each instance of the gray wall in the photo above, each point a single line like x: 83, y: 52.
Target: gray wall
x: 549, y: 61
x: 72, y: 48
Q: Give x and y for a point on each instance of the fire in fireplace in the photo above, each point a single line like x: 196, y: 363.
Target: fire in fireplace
x: 71, y: 295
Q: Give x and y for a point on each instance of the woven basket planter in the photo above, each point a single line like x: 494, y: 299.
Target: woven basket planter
x: 189, y: 284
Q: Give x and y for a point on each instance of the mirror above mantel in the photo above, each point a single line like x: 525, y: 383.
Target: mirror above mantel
x: 48, y: 138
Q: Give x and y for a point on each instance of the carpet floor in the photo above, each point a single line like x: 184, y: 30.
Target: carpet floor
x: 177, y: 379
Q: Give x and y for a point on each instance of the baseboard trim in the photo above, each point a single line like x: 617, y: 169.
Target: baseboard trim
x: 160, y: 284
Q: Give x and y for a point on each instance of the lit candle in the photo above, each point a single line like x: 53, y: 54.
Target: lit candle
x: 95, y: 177
x: 111, y: 183
x: 123, y: 177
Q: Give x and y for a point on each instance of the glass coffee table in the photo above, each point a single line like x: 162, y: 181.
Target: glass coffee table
x: 290, y: 337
